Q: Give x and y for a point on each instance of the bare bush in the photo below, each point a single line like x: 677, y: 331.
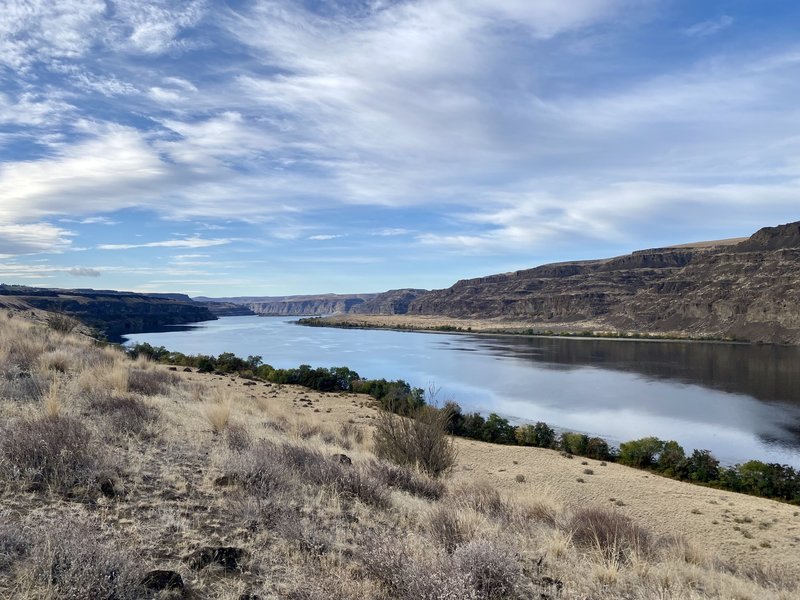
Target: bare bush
x: 449, y: 527
x: 267, y: 467
x: 259, y: 470
x: 486, y: 500
x: 51, y: 450
x: 71, y: 560
x: 62, y: 323
x: 615, y: 535
x: 238, y: 437
x: 492, y: 569
x: 406, y: 479
x: 13, y: 543
x: 22, y: 386
x: 151, y: 382
x: 420, y: 441
x: 128, y: 415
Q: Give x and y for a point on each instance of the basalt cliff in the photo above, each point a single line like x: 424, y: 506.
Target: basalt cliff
x: 743, y: 289
x: 110, y: 312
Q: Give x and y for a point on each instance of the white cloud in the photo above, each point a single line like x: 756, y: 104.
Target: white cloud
x: 83, y: 272
x: 192, y: 242
x: 323, y: 237
x: 32, y: 238
x: 709, y: 27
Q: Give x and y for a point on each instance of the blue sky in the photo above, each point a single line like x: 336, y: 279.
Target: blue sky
x: 278, y: 147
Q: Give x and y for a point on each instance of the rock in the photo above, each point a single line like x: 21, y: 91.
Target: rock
x: 162, y: 580
x: 172, y: 368
x: 187, y: 369
x: 108, y: 487
x: 226, y: 480
x: 248, y: 596
x: 342, y: 459
x: 227, y: 557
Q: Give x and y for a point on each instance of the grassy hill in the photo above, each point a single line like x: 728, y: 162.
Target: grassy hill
x: 124, y: 479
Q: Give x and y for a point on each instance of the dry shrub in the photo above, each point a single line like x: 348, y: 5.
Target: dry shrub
x: 450, y: 527
x: 61, y: 323
x: 478, y: 570
x: 486, y: 500
x: 71, y: 560
x: 406, y: 479
x: 238, y: 437
x: 52, y: 400
x: 13, y: 543
x: 267, y: 468
x: 259, y: 470
x: 61, y: 361
x: 350, y: 433
x: 52, y: 450
x: 320, y: 470
x: 420, y: 441
x: 127, y: 415
x: 492, y: 568
x: 218, y: 415
x: 22, y: 386
x: 615, y: 535
x: 151, y: 382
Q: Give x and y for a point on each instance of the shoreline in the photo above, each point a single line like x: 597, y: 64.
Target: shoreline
x: 486, y: 328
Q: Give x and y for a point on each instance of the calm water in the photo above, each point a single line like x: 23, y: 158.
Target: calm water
x: 739, y: 401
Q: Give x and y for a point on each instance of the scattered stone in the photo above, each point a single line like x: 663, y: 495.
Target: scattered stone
x: 342, y: 459
x: 249, y: 383
x: 227, y: 557
x: 163, y: 580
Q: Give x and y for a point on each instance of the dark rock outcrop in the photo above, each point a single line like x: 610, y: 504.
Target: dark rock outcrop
x: 747, y: 290
x: 110, y: 312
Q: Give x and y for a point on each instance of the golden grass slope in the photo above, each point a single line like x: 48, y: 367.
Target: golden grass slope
x: 111, y: 468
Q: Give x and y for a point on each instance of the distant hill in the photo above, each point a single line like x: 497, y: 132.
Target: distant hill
x: 110, y: 312
x: 743, y: 288
x: 391, y: 302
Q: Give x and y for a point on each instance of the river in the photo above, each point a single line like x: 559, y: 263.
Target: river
x: 739, y: 401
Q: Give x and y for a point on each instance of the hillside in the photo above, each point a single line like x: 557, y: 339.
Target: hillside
x: 123, y: 479
x: 745, y: 289
x: 109, y: 312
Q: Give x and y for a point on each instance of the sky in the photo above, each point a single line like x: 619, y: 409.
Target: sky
x: 277, y: 147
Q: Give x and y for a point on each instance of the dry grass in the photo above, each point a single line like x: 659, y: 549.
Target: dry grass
x: 126, y: 476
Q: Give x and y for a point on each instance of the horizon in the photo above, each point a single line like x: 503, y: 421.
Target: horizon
x: 279, y: 148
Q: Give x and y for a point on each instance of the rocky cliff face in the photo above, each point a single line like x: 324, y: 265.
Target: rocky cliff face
x: 323, y: 304
x: 749, y: 290
x: 393, y: 302
x: 113, y: 313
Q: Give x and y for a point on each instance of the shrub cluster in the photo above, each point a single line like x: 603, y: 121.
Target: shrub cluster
x: 419, y: 441
x: 53, y: 450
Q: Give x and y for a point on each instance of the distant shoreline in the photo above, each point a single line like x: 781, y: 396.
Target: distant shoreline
x: 483, y: 327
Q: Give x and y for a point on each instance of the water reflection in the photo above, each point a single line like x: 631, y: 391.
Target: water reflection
x: 739, y: 401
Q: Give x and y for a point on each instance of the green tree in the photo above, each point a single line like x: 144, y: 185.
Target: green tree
x: 640, y: 453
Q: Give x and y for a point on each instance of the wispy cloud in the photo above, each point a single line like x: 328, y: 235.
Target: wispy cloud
x: 194, y: 242
x: 325, y: 236
x: 83, y: 272
x: 709, y: 27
